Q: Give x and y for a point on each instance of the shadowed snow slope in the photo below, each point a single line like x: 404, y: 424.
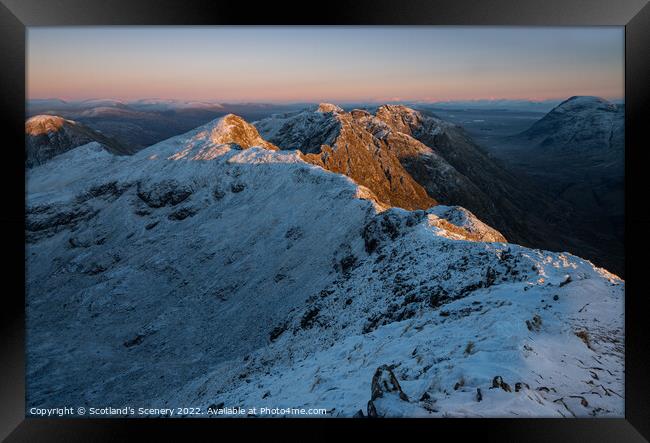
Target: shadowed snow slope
x: 198, y: 273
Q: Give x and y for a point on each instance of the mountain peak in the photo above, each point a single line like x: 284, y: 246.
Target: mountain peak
x: 329, y: 107
x: 399, y: 117
x: 232, y: 129
x: 44, y: 124
x: 584, y: 102
x: 50, y: 135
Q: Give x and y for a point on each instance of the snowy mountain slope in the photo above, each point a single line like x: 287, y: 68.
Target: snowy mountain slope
x: 448, y: 317
x: 167, y: 258
x: 47, y: 136
x: 197, y: 272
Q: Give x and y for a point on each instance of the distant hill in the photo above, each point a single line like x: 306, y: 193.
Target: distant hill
x: 576, y: 153
x: 47, y: 136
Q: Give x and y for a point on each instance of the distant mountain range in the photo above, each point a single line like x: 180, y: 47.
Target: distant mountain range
x: 224, y: 267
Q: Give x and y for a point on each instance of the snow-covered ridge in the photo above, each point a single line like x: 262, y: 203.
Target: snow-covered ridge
x: 209, y: 274
x: 474, y: 229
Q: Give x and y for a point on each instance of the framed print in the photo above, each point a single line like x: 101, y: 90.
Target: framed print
x: 404, y: 216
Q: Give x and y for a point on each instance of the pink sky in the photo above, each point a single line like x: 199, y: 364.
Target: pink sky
x: 325, y: 64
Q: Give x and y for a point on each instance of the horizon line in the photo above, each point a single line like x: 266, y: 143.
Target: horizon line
x: 317, y: 101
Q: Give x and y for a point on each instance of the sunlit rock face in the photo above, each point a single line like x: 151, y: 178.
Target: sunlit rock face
x: 335, y: 140
x: 44, y: 124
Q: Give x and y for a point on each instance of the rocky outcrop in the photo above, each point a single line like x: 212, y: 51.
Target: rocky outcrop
x: 368, y: 161
x: 463, y: 223
x: 384, y: 385
x: 337, y: 141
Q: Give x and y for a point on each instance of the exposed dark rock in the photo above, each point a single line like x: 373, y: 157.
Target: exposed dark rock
x: 237, y: 187
x: 388, y: 225
x: 278, y: 331
x: 520, y: 385
x: 385, y: 382
x: 347, y: 263
x: 182, y: 214
x: 217, y: 193
x: 371, y: 409
x: 134, y: 341
x: 55, y: 218
x: 294, y: 233
x: 164, y: 193
x: 309, y: 318
x: 566, y: 281
x: 95, y: 269
x: 534, y: 325
x: 497, y: 382
x: 111, y: 190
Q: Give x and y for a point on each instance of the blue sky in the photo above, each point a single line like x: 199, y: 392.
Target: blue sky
x: 339, y: 64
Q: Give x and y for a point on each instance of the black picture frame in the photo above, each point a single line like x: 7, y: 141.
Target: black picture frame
x: 16, y: 15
